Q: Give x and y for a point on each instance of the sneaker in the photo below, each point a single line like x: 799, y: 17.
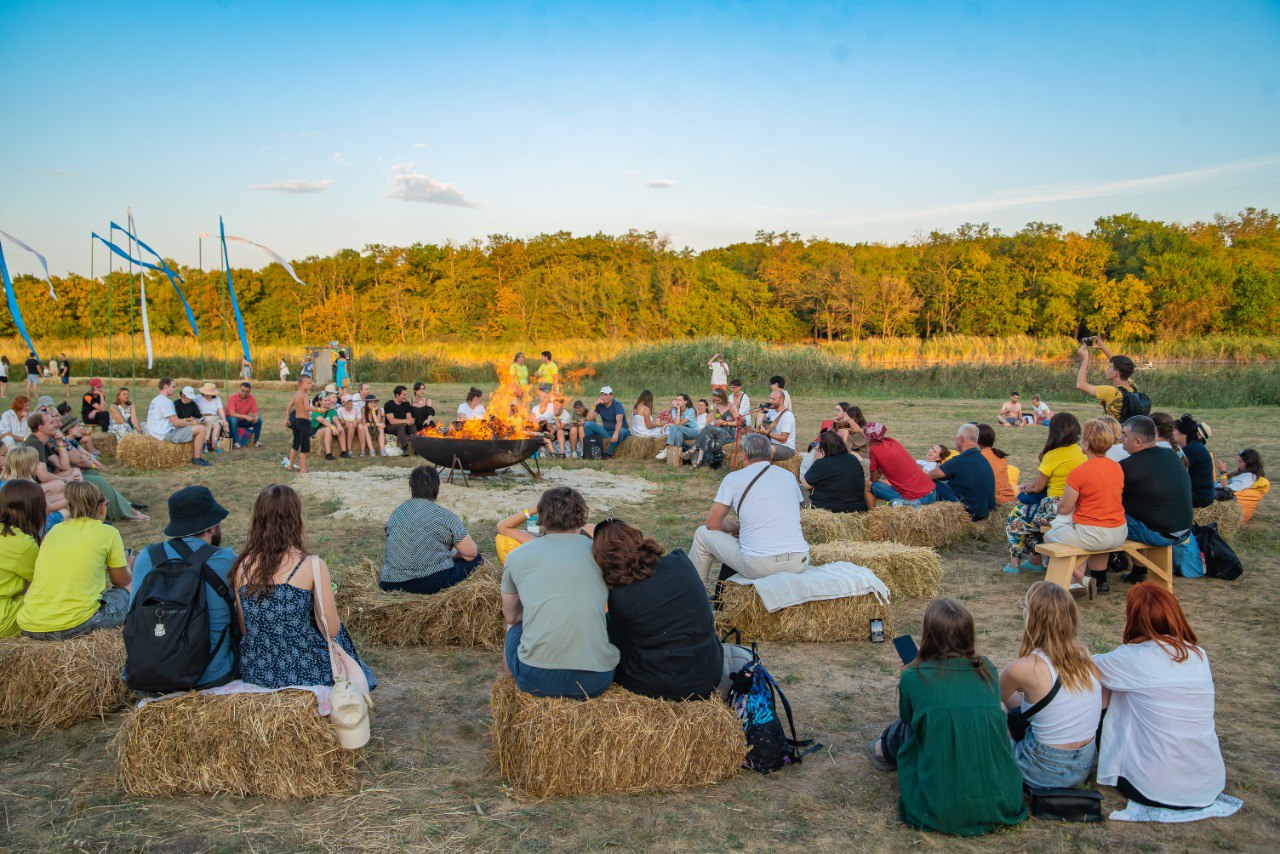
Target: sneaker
x: 877, y: 761
x: 1011, y: 569
x: 235, y: 447
x: 897, y: 502
x: 1028, y: 566
x: 284, y: 462
x: 330, y: 457
x: 662, y: 456
x: 346, y: 455
x: 1100, y: 581
x: 199, y: 462
x: 1137, y: 575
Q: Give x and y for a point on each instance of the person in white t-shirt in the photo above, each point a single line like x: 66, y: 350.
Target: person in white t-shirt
x: 555, y: 426
x: 719, y: 372
x: 164, y: 424
x: 779, y: 424
x: 1159, y: 746
x: 212, y: 414
x: 473, y: 408
x: 766, y: 537
x: 541, y: 411
x: 741, y: 402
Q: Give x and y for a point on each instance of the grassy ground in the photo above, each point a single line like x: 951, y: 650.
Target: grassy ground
x: 428, y: 782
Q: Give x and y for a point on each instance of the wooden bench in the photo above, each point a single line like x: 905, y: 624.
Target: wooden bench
x: 1063, y: 560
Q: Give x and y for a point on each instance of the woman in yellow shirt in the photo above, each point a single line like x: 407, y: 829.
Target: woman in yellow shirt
x: 22, y: 513
x: 1061, y: 454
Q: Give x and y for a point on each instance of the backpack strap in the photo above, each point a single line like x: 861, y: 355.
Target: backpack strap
x: 1044, y: 701
x: 803, y: 747
x: 201, y: 558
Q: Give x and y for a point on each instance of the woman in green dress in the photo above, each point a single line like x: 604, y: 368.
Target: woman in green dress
x: 950, y: 745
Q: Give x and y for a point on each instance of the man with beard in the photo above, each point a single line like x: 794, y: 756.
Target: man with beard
x: 195, y: 520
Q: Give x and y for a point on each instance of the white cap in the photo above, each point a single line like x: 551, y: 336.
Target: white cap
x: 607, y: 390
x: 188, y: 392
x: 347, y: 398
x: 349, y: 717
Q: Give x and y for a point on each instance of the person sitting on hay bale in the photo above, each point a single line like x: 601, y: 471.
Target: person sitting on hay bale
x: 554, y: 599
x: 70, y: 594
x: 778, y: 423
x: 967, y: 477
x: 428, y: 547
x: 1247, y: 485
x: 124, y: 418
x: 723, y: 425
x: 835, y: 480
x: 164, y: 424
x: 195, y: 521
x: 1191, y: 436
x: 660, y: 618
x: 119, y: 508
x: 766, y: 537
x: 213, y: 415
x: 644, y: 421
x: 1005, y: 474
x: 612, y: 428
x: 277, y: 605
x: 93, y: 406
x: 682, y: 428
x: 895, y: 476
x: 968, y: 791
x: 1038, y: 501
x: 243, y: 419
x: 22, y: 519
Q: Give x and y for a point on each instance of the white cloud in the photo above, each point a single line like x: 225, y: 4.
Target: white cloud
x: 340, y: 159
x: 413, y: 186
x: 294, y: 186
x: 661, y: 184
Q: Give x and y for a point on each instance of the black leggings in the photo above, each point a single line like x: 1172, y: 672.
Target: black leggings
x: 1131, y: 792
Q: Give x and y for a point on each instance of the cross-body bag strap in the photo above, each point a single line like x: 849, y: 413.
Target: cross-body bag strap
x: 741, y: 500
x: 1044, y: 701
x: 339, y: 672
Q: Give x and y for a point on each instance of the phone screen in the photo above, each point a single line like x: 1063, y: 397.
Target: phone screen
x: 906, y: 647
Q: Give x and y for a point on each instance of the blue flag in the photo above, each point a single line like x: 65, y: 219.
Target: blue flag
x: 231, y: 289
x: 174, y: 278
x: 12, y: 298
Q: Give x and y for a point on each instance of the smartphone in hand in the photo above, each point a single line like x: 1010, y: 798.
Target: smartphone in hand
x: 906, y: 647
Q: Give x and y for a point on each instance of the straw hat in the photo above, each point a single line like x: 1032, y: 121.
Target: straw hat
x: 209, y: 388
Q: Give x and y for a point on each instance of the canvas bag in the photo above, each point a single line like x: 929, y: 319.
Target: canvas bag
x: 350, y: 693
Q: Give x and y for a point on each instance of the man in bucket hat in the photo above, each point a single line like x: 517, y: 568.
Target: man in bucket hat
x: 195, y: 523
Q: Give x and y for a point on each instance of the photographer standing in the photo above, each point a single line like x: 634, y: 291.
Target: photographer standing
x: 1119, y: 399
x: 779, y: 425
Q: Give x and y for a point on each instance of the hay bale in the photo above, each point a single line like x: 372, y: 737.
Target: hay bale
x: 939, y: 524
x: 993, y: 527
x: 828, y: 621
x: 467, y: 614
x: 1228, y: 514
x: 272, y: 745
x: 48, y: 684
x: 104, y: 444
x: 639, y: 448
x: 791, y: 464
x: 823, y: 526
x: 139, y: 451
x: 617, y: 742
x: 908, y: 571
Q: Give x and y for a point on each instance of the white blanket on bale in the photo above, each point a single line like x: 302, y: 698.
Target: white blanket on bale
x: 817, y: 583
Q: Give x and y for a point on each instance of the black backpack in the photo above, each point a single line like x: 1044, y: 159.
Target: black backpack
x: 1220, y: 560
x: 751, y: 694
x: 166, y: 632
x: 592, y: 448
x: 1134, y: 403
x: 713, y: 454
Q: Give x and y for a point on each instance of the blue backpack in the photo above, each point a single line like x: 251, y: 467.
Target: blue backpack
x: 751, y: 693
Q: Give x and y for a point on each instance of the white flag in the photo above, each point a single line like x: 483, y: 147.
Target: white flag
x: 288, y: 268
x: 16, y: 242
x: 142, y: 280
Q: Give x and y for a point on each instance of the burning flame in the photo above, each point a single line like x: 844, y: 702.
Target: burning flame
x: 507, y: 416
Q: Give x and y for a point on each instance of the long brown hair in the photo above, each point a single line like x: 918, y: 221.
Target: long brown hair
x: 22, y: 508
x: 645, y: 399
x: 1053, y: 625
x: 623, y: 553
x: 275, y: 530
x: 948, y: 633
x: 1152, y: 613
x: 1064, y: 430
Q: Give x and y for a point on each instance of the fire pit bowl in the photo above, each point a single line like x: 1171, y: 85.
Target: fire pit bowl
x: 477, y: 456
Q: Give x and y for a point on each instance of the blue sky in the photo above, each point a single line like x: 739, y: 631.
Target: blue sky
x: 320, y: 126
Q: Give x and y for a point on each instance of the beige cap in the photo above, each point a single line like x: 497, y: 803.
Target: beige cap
x: 349, y: 716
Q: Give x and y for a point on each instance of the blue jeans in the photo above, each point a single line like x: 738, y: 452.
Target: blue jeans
x: 1045, y: 767
x: 437, y: 581
x: 677, y: 433
x: 591, y: 428
x: 1186, y: 552
x: 540, y: 682
x: 882, y: 490
x: 254, y: 428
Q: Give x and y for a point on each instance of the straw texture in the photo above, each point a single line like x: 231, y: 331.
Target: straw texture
x: 56, y: 684
x: 908, y: 571
x: 828, y: 621
x: 143, y: 452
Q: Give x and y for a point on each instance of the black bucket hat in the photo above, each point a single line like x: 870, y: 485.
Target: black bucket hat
x: 192, y: 511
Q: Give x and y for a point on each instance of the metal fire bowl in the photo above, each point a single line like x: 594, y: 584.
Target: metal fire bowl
x: 478, y: 456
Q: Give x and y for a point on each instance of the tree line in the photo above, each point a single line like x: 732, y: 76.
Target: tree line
x: 1127, y: 277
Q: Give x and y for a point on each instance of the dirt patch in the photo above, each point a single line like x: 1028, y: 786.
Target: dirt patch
x: 372, y: 493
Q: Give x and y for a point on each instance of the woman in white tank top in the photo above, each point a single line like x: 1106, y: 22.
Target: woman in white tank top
x: 1059, y: 748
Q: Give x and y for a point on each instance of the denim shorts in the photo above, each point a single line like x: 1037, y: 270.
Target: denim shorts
x: 113, y: 607
x: 1045, y: 767
x: 542, y: 682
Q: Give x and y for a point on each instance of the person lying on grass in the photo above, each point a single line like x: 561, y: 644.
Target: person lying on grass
x: 554, y: 599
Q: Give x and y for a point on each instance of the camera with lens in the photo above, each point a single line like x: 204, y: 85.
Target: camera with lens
x: 767, y: 405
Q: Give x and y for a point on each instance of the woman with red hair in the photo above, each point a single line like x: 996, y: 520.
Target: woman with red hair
x: 1159, y: 746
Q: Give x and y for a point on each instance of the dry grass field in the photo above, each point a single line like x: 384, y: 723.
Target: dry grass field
x: 427, y: 781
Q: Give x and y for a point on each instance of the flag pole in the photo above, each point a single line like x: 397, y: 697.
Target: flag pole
x: 133, y: 345
x: 92, y: 320
x: 204, y: 290
x: 223, y: 263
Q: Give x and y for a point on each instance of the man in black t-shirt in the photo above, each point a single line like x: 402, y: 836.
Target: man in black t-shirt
x: 33, y: 375
x: 64, y: 374
x: 968, y: 476
x: 185, y: 406
x: 399, y: 414
x: 1157, y: 498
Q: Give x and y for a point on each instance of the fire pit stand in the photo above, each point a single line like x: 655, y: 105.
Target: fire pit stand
x: 478, y: 457
x: 535, y: 471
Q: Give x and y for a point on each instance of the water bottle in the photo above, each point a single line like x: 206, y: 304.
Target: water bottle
x: 532, y: 524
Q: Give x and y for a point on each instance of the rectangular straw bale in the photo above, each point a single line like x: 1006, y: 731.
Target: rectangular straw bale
x: 144, y: 452
x: 939, y: 524
x: 639, y: 448
x: 104, y: 444
x: 47, y: 684
x: 828, y: 621
x: 272, y: 745
x: 467, y: 614
x: 908, y: 571
x: 823, y: 526
x: 1228, y: 514
x: 617, y: 742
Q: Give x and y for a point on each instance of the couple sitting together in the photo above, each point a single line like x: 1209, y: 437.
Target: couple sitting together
x: 968, y: 739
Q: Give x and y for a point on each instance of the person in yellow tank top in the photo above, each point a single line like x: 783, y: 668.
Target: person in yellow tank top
x: 1060, y: 456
